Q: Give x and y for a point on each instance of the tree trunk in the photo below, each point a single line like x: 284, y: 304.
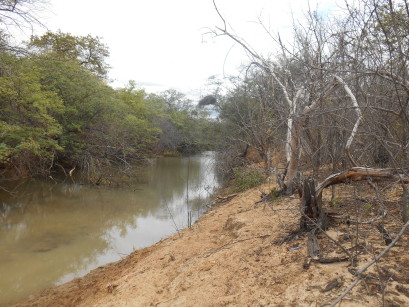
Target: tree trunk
x: 268, y: 160
x: 312, y: 214
x: 292, y: 168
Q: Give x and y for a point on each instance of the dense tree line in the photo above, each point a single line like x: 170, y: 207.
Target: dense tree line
x: 58, y: 111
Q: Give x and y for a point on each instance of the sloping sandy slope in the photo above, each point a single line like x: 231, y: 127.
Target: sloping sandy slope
x: 228, y: 258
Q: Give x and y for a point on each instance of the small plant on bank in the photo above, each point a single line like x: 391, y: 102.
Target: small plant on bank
x: 275, y: 195
x: 368, y: 207
x: 246, y: 178
x: 335, y: 202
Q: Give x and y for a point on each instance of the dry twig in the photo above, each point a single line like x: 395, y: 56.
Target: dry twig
x: 369, y: 264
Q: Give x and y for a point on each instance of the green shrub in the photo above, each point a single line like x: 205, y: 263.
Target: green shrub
x: 246, y: 178
x: 171, y: 154
x: 275, y: 194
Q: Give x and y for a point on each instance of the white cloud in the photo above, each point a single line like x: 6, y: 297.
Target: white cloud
x: 161, y: 42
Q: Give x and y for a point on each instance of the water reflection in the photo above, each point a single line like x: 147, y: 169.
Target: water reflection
x: 52, y: 233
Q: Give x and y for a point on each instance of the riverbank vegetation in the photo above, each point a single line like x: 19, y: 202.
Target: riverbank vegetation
x: 58, y: 112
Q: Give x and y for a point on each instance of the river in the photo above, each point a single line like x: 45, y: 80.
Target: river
x: 53, y: 232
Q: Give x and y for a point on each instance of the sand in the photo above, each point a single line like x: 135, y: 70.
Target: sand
x: 229, y: 258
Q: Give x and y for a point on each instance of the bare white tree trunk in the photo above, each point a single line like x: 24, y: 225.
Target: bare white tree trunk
x: 292, y: 167
x: 290, y: 145
x: 358, y: 121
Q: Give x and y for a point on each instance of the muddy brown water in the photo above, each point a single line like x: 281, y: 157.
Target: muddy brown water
x: 51, y: 233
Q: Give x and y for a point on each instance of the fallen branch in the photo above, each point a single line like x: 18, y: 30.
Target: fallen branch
x: 234, y: 242
x: 333, y: 260
x: 329, y: 237
x: 352, y: 221
x: 369, y: 264
x: 336, y: 283
x: 399, y: 235
x: 293, y: 234
x: 225, y: 198
x: 363, y: 173
x: 346, y: 292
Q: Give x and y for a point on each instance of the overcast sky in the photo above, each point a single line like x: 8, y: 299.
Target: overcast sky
x: 163, y: 44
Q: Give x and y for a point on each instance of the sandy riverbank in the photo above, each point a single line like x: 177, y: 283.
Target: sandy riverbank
x: 228, y: 258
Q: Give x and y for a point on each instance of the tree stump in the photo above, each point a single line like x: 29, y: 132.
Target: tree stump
x: 313, y: 215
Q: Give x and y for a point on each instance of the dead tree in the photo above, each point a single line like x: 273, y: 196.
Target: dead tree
x: 302, y: 101
x: 312, y: 214
x: 363, y: 173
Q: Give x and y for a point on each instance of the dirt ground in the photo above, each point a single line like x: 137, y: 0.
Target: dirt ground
x: 230, y: 258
